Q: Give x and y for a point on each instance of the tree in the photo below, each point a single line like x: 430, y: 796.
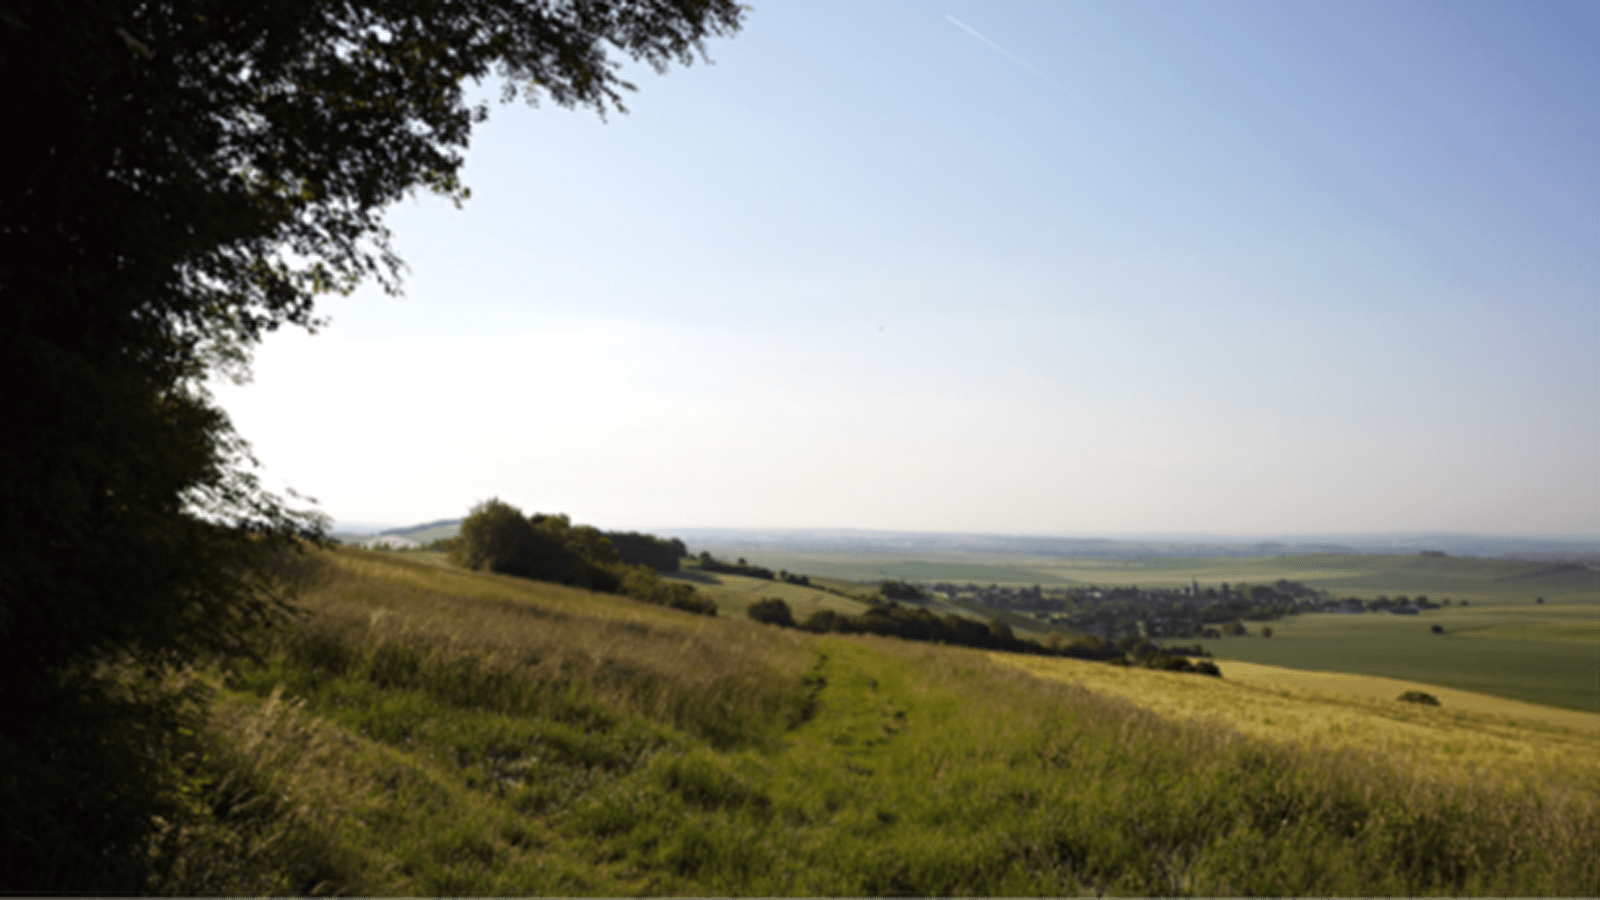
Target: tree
x: 1421, y: 697
x: 495, y: 536
x: 661, y: 554
x: 772, y: 611
x: 183, y: 178
x: 899, y: 590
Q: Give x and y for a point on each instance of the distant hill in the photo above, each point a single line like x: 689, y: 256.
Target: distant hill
x: 732, y: 541
x: 425, y: 533
x: 428, y: 532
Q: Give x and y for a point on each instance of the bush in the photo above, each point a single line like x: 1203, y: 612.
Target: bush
x: 771, y: 611
x: 663, y: 555
x: 1419, y: 697
x: 900, y: 590
x: 496, y: 536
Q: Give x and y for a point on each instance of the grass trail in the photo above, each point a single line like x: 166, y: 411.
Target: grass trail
x: 425, y: 731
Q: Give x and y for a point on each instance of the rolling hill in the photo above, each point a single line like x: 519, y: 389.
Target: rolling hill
x: 430, y: 730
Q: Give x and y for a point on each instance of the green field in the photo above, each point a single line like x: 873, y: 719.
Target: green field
x: 1486, y: 580
x: 1480, y: 651
x: 733, y: 594
x: 1503, y: 643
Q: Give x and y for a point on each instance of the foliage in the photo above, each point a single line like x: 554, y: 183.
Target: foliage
x: 496, y: 536
x: 660, y: 554
x: 642, y: 583
x: 772, y: 611
x: 711, y: 564
x: 899, y: 590
x: 183, y: 179
x: 1421, y: 697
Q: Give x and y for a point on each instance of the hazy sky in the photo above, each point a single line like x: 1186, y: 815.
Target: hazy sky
x: 1027, y: 267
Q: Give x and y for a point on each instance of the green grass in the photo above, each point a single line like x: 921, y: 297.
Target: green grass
x: 1537, y: 654
x: 733, y: 594
x: 425, y: 731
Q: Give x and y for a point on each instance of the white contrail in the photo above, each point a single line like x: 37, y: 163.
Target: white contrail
x: 1008, y: 54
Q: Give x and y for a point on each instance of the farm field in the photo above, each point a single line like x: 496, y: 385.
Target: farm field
x: 1362, y: 713
x: 1481, y: 650
x: 733, y: 594
x: 427, y: 730
x: 1502, y: 644
x: 1477, y: 580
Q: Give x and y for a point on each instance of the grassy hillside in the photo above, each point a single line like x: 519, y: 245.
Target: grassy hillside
x: 733, y: 594
x: 433, y: 731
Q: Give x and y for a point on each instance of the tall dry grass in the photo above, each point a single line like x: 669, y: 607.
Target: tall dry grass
x: 515, y: 646
x: 1446, y: 742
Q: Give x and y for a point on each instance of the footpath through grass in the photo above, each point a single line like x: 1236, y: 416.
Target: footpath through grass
x: 426, y: 731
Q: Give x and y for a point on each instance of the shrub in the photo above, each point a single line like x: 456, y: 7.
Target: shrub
x: 900, y: 590
x: 771, y: 611
x: 1419, y: 697
x: 496, y: 536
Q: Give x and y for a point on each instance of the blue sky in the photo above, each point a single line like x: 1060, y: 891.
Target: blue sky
x: 1024, y: 267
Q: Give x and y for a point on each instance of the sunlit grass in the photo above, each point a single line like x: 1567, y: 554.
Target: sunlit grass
x: 438, y: 732
x: 1557, y: 673
x: 1494, y: 739
x: 733, y: 595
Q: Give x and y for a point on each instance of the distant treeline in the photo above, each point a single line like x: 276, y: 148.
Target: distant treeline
x: 635, y: 549
x: 709, y: 563
x: 496, y: 536
x: 914, y: 623
x: 1119, y: 611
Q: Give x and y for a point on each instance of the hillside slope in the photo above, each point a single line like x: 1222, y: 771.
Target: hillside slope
x: 434, y: 731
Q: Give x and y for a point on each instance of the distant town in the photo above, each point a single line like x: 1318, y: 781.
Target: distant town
x: 1173, y: 613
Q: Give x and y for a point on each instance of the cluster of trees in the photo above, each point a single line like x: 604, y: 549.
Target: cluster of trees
x: 497, y: 537
x: 635, y: 549
x: 900, y: 590
x: 709, y: 563
x: 1401, y: 605
x: 914, y: 623
x: 1421, y: 697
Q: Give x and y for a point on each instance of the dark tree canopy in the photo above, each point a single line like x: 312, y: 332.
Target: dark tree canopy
x: 183, y: 178
x: 661, y: 554
x: 496, y: 537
